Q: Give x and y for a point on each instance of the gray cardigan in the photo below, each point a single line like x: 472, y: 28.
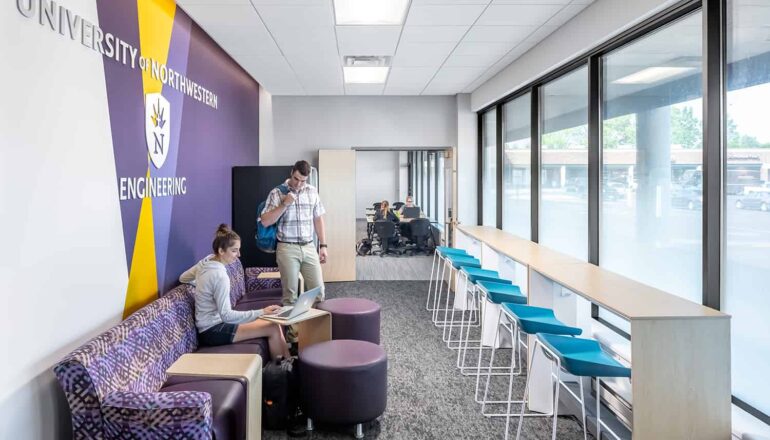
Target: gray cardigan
x: 212, y: 295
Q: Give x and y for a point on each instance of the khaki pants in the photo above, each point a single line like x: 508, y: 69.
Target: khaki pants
x: 294, y: 259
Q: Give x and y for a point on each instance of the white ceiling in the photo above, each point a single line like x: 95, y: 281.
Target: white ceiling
x: 292, y: 47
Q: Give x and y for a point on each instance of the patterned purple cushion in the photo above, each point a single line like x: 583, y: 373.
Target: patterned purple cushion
x: 168, y: 415
x: 237, y: 281
x: 254, y: 284
x: 133, y: 356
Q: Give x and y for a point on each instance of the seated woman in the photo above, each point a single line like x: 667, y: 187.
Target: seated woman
x: 216, y: 321
x: 385, y: 213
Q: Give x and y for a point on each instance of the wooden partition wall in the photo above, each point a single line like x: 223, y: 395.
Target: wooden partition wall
x: 337, y: 186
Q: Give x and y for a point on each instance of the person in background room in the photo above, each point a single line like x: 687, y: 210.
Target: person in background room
x: 385, y: 213
x: 216, y: 321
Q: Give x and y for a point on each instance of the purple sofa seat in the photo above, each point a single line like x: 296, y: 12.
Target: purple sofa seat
x: 228, y: 400
x: 116, y: 383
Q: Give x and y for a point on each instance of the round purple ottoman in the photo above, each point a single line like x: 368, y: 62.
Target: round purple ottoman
x: 353, y: 318
x: 344, y: 382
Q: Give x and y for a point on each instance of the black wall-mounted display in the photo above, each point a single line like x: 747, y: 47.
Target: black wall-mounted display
x: 251, y: 185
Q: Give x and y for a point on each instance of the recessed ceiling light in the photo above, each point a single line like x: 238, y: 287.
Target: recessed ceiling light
x: 365, y: 75
x: 370, y: 12
x: 652, y: 75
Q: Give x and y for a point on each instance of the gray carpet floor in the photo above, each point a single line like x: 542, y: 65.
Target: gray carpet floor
x: 427, y: 397
x: 390, y: 267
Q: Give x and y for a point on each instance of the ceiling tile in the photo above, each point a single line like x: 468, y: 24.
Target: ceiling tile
x: 286, y: 2
x: 448, y: 2
x: 442, y: 90
x: 433, y: 34
x: 540, y: 34
x: 222, y: 15
x: 471, y: 60
x: 272, y: 72
x: 530, y: 2
x: 364, y: 89
x: 456, y: 75
x: 493, y: 49
x: 367, y: 40
x: 582, y: 2
x: 498, y: 34
x: 410, y: 77
x: 312, y: 42
x: 296, y: 16
x: 518, y: 15
x: 436, y: 15
x: 402, y: 92
x: 184, y: 3
x: 247, y: 40
x: 422, y: 54
x: 565, y: 15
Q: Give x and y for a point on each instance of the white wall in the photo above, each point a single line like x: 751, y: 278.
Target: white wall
x: 304, y: 124
x: 376, y: 178
x: 467, y: 165
x: 593, y: 26
x: 63, y: 271
x: 266, y: 133
x: 403, y: 175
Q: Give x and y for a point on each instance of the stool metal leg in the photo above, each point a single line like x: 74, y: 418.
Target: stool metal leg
x: 359, y: 431
x: 309, y: 424
x: 598, y: 409
x: 583, y: 407
x: 430, y: 283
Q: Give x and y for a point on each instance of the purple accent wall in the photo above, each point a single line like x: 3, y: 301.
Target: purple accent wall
x: 205, y: 142
x: 213, y: 142
x: 126, y: 104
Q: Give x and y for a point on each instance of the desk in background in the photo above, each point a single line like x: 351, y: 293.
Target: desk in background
x: 680, y: 350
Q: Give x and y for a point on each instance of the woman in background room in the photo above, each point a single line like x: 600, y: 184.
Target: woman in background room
x: 216, y: 321
x: 385, y: 213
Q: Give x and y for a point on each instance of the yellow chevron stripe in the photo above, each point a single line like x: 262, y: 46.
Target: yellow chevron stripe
x: 156, y: 21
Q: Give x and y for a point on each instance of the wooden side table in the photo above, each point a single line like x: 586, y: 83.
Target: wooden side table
x: 313, y: 326
x: 234, y: 366
x: 277, y: 276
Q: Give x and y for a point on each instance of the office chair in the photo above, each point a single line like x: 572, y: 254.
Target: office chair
x: 386, y: 231
x: 420, y: 232
x: 377, y: 205
x: 398, y: 205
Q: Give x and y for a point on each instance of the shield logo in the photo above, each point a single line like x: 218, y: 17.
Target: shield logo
x: 157, y: 114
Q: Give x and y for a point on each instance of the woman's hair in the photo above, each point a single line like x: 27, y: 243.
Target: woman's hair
x: 384, y: 207
x: 224, y: 238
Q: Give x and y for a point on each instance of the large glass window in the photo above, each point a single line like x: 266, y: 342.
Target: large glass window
x: 564, y: 164
x: 652, y: 152
x: 430, y: 209
x: 489, y: 168
x: 747, y: 201
x: 517, y: 162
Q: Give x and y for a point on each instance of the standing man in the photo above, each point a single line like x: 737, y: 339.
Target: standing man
x: 299, y: 214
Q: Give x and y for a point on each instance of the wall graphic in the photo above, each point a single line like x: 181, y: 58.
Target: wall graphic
x: 173, y: 147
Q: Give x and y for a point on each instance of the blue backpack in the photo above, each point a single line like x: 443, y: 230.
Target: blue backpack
x: 266, y: 235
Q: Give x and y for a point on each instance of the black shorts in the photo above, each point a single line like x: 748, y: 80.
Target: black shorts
x: 220, y: 334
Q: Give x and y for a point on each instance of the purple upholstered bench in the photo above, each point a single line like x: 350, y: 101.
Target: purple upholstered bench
x: 344, y: 382
x: 353, y: 318
x: 116, y: 383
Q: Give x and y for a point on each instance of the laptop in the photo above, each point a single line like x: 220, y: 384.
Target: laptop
x: 303, y: 304
x: 411, y: 212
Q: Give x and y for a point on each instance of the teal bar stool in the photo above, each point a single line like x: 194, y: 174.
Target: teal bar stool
x: 456, y: 262
x: 495, y: 293
x: 579, y: 357
x: 437, y: 267
x: 529, y: 320
x: 473, y: 276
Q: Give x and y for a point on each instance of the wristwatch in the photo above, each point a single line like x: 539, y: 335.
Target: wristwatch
x: 322, y: 245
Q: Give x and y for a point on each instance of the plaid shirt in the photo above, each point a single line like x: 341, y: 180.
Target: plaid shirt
x: 296, y: 223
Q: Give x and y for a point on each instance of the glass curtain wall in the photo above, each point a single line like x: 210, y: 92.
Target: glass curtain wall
x: 441, y: 193
x: 517, y: 164
x: 489, y: 167
x: 652, y: 150
x: 563, y: 211
x: 746, y: 208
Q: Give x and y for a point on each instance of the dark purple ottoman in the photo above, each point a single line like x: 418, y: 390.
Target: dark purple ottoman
x: 353, y: 318
x: 344, y: 382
